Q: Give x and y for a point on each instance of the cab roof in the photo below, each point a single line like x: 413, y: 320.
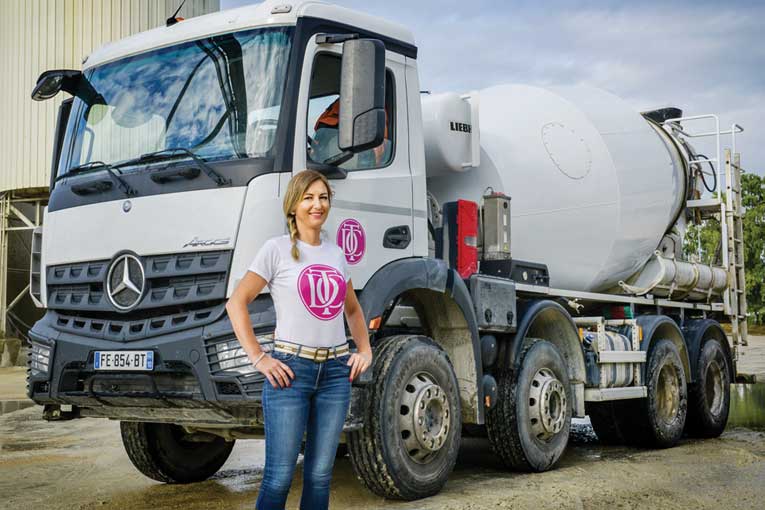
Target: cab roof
x: 268, y: 13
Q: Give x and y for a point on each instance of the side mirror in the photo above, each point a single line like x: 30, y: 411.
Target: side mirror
x: 51, y: 83
x: 362, y: 95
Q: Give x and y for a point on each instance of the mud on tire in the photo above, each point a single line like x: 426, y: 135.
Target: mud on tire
x: 709, y: 395
x: 412, y: 377
x: 523, y: 435
x: 159, y: 451
x: 659, y: 419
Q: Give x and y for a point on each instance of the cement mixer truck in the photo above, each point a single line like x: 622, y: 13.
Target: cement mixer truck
x: 518, y: 250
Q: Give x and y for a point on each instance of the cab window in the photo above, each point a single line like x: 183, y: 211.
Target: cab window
x: 323, y: 110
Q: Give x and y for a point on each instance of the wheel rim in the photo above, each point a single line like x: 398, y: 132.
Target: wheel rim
x: 713, y: 388
x: 667, y: 394
x: 423, y: 417
x: 547, y: 405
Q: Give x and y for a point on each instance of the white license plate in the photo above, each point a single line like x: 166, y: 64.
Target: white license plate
x: 124, y: 360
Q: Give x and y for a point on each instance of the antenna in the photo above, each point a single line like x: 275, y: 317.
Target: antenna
x: 172, y: 20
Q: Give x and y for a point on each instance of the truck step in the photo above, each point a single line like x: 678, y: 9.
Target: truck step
x: 605, y: 394
x: 621, y: 357
x: 705, y: 204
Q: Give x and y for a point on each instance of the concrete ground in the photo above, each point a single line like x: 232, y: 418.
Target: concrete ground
x: 751, y: 359
x: 81, y: 464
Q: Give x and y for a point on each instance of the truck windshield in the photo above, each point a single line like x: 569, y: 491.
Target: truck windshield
x: 217, y: 97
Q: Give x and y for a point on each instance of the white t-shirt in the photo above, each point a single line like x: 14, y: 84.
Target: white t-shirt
x: 309, y: 294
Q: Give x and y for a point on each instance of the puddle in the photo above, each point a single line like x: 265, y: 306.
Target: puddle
x: 747, y: 406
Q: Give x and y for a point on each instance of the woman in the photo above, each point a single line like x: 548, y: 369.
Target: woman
x: 310, y: 369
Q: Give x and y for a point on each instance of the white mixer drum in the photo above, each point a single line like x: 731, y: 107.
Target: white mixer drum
x: 593, y: 186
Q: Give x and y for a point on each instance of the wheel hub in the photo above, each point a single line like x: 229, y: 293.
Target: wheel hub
x: 667, y: 394
x: 714, y: 388
x: 547, y: 404
x: 424, y: 417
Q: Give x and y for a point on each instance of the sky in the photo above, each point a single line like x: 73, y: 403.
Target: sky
x: 703, y: 57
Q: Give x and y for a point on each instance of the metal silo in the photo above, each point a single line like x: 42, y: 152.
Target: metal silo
x: 37, y: 35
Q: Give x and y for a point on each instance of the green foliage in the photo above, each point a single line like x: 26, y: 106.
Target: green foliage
x: 753, y: 200
x: 706, y: 236
x: 702, y: 242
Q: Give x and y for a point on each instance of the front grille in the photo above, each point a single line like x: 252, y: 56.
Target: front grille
x: 177, y: 388
x: 171, y: 280
x: 120, y: 328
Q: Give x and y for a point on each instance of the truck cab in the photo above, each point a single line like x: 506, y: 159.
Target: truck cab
x: 171, y: 159
x: 170, y: 162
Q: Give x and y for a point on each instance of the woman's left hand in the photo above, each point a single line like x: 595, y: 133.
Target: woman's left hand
x: 359, y: 362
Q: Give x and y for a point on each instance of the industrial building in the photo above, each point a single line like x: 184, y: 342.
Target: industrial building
x: 35, y: 36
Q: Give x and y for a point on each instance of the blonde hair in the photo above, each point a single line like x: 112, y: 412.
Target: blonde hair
x: 296, y: 188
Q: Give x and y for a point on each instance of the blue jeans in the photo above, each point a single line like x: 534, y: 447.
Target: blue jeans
x: 316, y: 402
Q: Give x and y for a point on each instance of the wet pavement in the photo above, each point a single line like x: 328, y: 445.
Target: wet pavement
x: 81, y: 464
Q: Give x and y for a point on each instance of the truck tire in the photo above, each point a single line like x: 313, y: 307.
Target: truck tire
x: 159, y: 451
x: 709, y: 396
x: 412, y: 418
x: 528, y: 428
x: 660, y: 418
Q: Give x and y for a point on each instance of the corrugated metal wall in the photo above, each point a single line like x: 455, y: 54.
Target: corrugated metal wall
x: 37, y: 35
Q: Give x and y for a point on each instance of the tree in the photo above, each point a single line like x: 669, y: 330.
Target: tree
x: 753, y: 200
x: 702, y: 243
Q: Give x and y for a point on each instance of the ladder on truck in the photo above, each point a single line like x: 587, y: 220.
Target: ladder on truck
x: 735, y: 228
x: 729, y: 209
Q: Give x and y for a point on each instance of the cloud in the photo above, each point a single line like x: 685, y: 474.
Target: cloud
x: 705, y: 57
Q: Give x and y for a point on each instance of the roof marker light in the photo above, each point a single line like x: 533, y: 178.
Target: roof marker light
x: 281, y: 9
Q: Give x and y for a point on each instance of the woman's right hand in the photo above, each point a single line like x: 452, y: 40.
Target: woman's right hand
x: 277, y: 373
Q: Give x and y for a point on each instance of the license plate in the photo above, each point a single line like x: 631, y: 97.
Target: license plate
x: 124, y: 360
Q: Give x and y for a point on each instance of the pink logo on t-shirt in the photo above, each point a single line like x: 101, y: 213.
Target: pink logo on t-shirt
x: 352, y: 240
x: 322, y: 290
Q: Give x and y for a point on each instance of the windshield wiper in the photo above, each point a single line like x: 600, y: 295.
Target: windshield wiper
x: 180, y: 152
x: 96, y: 166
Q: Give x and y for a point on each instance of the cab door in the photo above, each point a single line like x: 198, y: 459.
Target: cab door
x: 371, y: 216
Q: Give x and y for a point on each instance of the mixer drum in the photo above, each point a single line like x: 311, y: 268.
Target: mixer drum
x: 594, y: 185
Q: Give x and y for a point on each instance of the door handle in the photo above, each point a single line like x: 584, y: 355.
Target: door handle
x: 397, y: 238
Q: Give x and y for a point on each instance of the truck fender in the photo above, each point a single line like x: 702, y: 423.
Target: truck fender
x: 444, y: 306
x: 658, y: 327
x: 695, y: 332
x: 549, y: 320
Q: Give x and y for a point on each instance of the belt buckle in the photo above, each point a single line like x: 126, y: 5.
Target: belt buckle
x: 325, y: 354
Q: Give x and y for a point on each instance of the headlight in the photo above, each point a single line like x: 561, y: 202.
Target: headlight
x: 231, y: 356
x: 40, y: 358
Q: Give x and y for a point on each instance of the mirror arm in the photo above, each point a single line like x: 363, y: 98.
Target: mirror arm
x: 334, y: 38
x: 330, y: 172
x: 338, y: 159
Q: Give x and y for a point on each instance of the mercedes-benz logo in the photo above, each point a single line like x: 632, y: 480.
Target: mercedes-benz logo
x: 125, y: 282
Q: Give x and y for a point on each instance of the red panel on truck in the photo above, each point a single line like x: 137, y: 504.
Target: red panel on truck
x: 467, y: 238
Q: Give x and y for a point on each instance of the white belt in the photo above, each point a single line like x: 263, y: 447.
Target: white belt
x: 316, y: 354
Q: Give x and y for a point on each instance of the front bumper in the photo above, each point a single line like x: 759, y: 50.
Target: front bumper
x: 187, y: 385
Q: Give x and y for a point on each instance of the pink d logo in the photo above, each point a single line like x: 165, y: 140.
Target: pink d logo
x: 351, y: 238
x: 322, y: 290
